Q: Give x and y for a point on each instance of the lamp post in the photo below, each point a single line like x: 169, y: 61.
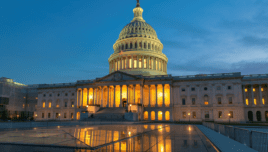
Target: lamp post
x: 130, y: 107
x: 229, y: 117
x: 189, y: 116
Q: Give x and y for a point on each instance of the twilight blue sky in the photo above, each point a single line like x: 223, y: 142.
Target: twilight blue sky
x: 65, y: 40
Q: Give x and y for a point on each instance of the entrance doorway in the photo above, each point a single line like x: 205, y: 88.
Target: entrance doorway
x: 124, y: 103
x: 250, y: 116
x: 258, y: 113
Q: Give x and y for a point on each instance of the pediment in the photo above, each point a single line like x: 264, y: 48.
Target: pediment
x: 118, y: 76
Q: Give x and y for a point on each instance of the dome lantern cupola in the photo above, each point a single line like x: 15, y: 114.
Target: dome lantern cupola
x: 138, y: 51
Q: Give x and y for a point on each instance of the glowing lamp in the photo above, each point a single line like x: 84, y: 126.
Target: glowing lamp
x: 189, y: 114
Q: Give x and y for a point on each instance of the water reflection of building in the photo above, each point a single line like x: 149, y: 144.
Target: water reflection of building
x: 138, y: 82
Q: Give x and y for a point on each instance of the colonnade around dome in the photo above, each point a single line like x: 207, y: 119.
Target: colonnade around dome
x: 138, y: 62
x: 157, y: 95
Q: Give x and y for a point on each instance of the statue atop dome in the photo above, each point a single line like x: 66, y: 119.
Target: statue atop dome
x: 138, y: 3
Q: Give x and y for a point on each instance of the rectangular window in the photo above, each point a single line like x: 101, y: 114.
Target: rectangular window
x: 72, y: 104
x: 129, y: 63
x: 145, y: 63
x: 23, y: 105
x: 49, y: 104
x: 135, y: 64
x: 140, y: 63
x: 48, y: 115
x: 263, y: 101
x: 43, y: 115
x: 64, y: 115
x: 72, y: 115
x: 65, y: 104
x: 229, y: 87
x: 261, y: 89
x: 255, y: 101
x: 246, y: 90
x: 183, y: 101
x: 44, y: 104
x: 231, y: 114
x: 118, y: 63
x: 230, y: 100
x: 219, y: 100
x: 254, y: 90
x: 194, y: 114
x: 115, y: 67
x: 184, y: 114
x: 220, y: 114
x: 183, y: 89
x: 57, y: 115
x: 246, y: 101
x: 193, y: 89
x: 193, y: 101
x: 206, y: 114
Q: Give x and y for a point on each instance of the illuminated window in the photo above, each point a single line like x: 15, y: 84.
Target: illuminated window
x: 23, y: 105
x: 145, y: 63
x: 206, y: 102
x: 115, y: 67
x: 246, y: 90
x: 167, y: 116
x: 160, y: 115
x: 194, y: 114
x: 255, y: 101
x: 145, y: 115
x: 206, y: 99
x: 72, y: 104
x: 220, y: 114
x: 254, y: 90
x: 140, y: 63
x: 72, y: 115
x: 44, y: 104
x: 135, y: 63
x: 184, y: 114
x: 261, y: 89
x: 246, y: 101
x: 130, y: 63
x: 152, y: 115
x: 49, y: 104
x: 57, y: 103
x: 231, y: 114
x: 263, y: 101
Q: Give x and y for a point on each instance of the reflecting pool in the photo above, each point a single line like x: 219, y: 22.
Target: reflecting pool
x: 108, y: 138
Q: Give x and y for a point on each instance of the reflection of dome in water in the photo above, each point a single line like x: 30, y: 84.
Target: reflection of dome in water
x: 138, y: 51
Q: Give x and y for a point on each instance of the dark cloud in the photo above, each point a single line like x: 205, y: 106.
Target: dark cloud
x: 254, y: 41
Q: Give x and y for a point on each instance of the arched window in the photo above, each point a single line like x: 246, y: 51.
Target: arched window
x: 119, y: 48
x: 78, y: 116
x: 250, y: 115
x: 126, y: 46
x: 160, y: 115
x: 130, y: 45
x: 152, y: 115
x: 258, y: 115
x: 149, y: 45
x: 144, y: 45
x: 122, y: 46
x: 135, y: 45
x: 140, y: 45
x: 152, y: 46
x: 145, y: 115
x: 167, y: 116
x: 206, y: 99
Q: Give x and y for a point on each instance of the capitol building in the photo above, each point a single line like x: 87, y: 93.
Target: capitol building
x: 138, y: 88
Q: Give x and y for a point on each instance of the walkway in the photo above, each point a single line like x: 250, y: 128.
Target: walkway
x: 224, y: 143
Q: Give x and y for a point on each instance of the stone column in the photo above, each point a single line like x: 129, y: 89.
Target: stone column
x: 82, y: 97
x: 154, y: 62
x: 141, y: 94
x: 156, y: 105
x: 114, y: 97
x: 134, y: 90
x: 149, y: 96
x: 127, y: 95
x: 142, y: 62
x: 163, y: 90
x: 147, y: 63
x: 260, y: 94
x: 138, y: 61
x: 252, y: 95
x: 78, y: 98
x: 156, y: 116
x: 87, y: 96
x: 244, y: 94
x: 102, y: 96
x: 108, y: 97
x: 120, y: 105
x: 93, y: 94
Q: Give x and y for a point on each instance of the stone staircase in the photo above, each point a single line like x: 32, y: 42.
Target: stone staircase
x: 110, y: 113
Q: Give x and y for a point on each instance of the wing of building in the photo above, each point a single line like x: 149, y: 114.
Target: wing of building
x: 138, y: 88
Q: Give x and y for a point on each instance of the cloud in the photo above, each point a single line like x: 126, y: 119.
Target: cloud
x: 254, y: 41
